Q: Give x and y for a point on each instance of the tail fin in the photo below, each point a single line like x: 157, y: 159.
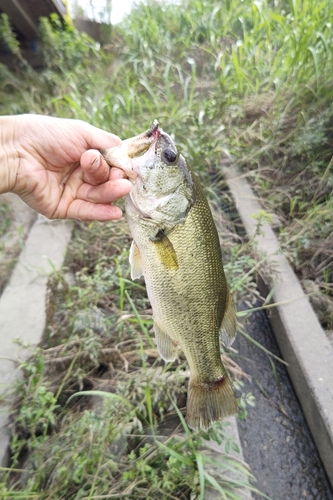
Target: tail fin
x: 209, y: 402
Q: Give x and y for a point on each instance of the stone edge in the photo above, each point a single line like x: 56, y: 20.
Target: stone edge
x: 301, y: 340
x: 22, y: 308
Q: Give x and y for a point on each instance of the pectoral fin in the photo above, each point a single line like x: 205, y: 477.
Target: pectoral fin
x: 167, y: 348
x: 229, y: 322
x: 135, y: 261
x: 165, y: 250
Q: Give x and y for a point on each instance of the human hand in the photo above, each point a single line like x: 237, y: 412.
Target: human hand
x: 54, y: 165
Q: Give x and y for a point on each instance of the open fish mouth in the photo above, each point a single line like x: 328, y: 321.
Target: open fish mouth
x: 121, y: 156
x: 139, y: 145
x: 154, y: 130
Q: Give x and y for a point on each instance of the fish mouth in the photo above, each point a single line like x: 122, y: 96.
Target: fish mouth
x: 154, y: 130
x: 139, y: 145
x: 121, y: 156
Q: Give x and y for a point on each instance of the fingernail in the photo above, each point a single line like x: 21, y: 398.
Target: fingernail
x: 96, y: 163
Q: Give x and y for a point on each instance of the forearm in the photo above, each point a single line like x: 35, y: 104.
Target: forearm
x: 9, y: 157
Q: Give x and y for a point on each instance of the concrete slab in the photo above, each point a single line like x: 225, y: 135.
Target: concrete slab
x: 12, y: 240
x: 215, y: 451
x: 301, y: 339
x: 23, y: 218
x: 22, y: 306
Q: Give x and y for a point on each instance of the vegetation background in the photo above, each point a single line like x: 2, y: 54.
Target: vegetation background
x: 242, y: 81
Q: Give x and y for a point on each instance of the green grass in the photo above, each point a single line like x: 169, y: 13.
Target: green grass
x: 99, y: 413
x: 250, y: 81
x: 4, y: 218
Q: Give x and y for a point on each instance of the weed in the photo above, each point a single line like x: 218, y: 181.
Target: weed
x: 9, y: 39
x: 5, y: 217
x: 120, y: 433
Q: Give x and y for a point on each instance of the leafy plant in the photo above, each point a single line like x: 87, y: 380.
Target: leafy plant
x: 7, y: 36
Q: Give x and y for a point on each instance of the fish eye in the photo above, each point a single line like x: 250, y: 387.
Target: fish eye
x: 169, y: 155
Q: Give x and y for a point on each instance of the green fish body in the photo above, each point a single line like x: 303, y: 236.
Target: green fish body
x: 176, y: 248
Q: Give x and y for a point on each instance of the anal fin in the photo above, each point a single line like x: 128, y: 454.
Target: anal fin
x: 166, y: 346
x: 229, y: 322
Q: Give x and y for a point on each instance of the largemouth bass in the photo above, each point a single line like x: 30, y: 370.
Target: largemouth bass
x: 176, y: 248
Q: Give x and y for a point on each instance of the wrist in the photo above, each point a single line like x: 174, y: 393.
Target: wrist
x: 9, y: 158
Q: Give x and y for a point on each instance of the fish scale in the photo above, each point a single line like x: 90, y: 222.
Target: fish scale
x: 188, y: 304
